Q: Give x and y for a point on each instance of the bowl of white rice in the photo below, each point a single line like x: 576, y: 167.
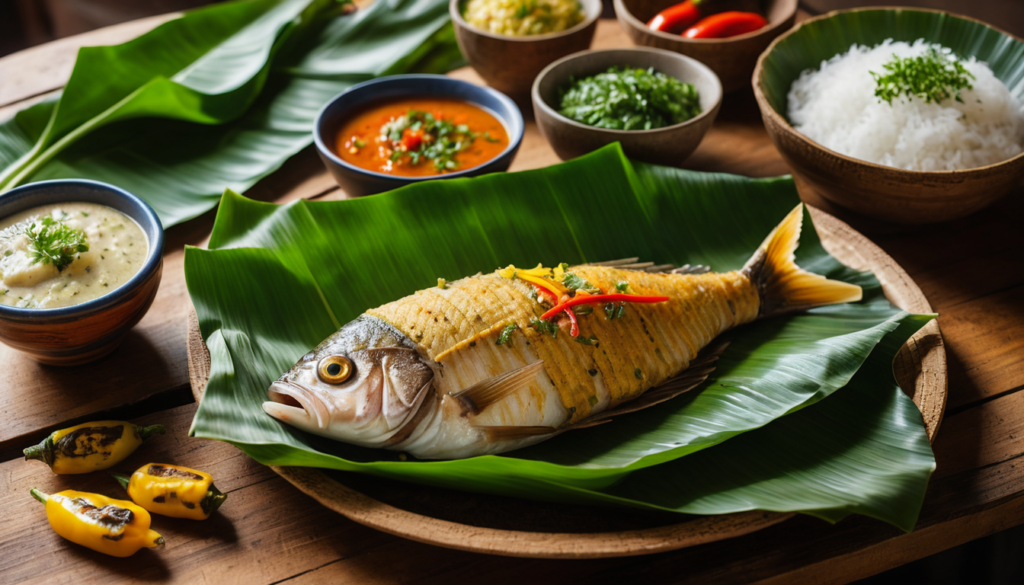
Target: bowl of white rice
x: 905, y: 115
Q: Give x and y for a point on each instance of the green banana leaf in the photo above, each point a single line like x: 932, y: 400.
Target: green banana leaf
x: 279, y: 279
x: 256, y: 92
x: 820, y: 40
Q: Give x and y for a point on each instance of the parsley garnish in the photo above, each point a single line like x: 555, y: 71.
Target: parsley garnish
x: 933, y: 77
x: 574, y: 282
x: 54, y: 242
x: 586, y: 340
x: 506, y: 334
x: 629, y: 99
x: 542, y: 326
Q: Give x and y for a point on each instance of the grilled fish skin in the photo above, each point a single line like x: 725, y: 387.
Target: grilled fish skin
x: 468, y: 369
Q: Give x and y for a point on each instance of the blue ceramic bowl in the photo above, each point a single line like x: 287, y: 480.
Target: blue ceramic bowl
x: 358, y: 181
x: 86, y: 332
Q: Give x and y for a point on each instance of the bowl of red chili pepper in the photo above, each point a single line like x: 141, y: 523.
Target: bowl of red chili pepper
x: 725, y: 35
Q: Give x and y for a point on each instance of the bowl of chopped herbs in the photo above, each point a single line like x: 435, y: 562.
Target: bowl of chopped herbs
x: 904, y: 115
x: 657, y: 104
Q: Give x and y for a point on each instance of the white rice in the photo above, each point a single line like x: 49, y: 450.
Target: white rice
x: 836, y: 107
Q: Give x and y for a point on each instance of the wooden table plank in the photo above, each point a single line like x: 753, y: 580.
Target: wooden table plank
x: 47, y: 67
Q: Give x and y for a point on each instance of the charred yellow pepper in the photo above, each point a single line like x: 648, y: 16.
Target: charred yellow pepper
x: 113, y: 527
x: 172, y: 490
x: 90, y: 446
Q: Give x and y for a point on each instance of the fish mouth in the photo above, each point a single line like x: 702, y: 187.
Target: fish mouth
x: 291, y: 400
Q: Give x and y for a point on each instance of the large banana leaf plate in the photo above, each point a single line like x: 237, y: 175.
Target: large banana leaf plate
x: 510, y: 526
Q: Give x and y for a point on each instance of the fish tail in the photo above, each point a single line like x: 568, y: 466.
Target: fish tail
x: 782, y: 285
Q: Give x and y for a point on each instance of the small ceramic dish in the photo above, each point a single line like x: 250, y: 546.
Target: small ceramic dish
x: 359, y: 181
x: 877, y: 191
x: 510, y: 64
x: 666, y: 146
x: 82, y: 333
x: 732, y: 59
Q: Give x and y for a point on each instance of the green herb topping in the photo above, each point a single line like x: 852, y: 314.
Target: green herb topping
x: 614, y: 310
x: 933, y: 77
x: 54, y: 242
x: 542, y: 326
x: 420, y: 136
x: 575, y: 283
x: 506, y: 334
x: 629, y: 99
x: 586, y: 340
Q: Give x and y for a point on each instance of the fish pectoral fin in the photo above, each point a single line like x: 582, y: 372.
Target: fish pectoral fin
x: 513, y: 433
x: 479, y: 396
x: 693, y: 376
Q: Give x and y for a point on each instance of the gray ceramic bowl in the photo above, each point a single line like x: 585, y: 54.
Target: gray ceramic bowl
x: 82, y: 333
x: 666, y: 146
x: 510, y: 64
x: 358, y: 181
x: 732, y: 59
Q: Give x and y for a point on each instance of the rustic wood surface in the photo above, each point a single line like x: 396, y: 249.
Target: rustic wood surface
x: 971, y: 270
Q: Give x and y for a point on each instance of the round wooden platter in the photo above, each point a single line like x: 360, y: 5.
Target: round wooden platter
x: 521, y: 528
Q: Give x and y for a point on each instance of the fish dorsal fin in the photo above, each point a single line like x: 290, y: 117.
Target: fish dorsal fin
x: 635, y: 264
x: 690, y: 378
x: 479, y: 396
x: 514, y: 433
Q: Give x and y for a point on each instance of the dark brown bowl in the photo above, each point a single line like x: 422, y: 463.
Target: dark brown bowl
x: 510, y: 64
x: 78, y: 334
x: 732, y: 59
x: 881, y: 192
x: 666, y: 146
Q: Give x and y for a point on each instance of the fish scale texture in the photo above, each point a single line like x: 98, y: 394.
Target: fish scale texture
x: 459, y: 326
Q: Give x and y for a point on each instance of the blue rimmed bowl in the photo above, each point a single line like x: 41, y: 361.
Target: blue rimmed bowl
x: 358, y: 181
x: 82, y: 333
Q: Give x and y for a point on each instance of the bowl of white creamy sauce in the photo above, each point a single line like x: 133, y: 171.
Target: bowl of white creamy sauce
x: 80, y: 264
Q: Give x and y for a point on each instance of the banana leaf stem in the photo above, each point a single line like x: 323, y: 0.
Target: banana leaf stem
x: 38, y: 159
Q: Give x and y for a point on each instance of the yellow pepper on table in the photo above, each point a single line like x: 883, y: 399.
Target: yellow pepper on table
x: 90, y: 446
x: 113, y: 527
x: 172, y: 490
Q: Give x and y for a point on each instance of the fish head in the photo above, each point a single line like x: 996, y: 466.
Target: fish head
x: 363, y: 385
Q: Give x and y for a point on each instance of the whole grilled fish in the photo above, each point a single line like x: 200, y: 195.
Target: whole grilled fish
x: 489, y: 363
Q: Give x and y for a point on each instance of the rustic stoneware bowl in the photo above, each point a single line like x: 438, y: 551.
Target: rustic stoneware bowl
x: 510, y: 64
x: 82, y: 333
x: 731, y: 59
x: 359, y: 181
x: 666, y: 146
x: 882, y: 192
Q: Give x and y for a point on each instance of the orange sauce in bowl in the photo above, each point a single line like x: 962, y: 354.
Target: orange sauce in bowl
x: 421, y: 137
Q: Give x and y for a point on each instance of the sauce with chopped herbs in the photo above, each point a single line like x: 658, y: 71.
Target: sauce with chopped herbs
x: 421, y: 137
x: 61, y: 255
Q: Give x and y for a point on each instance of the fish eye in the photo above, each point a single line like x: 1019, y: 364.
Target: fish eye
x: 334, y: 369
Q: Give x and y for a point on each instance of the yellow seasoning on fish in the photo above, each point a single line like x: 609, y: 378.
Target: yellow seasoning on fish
x: 496, y: 362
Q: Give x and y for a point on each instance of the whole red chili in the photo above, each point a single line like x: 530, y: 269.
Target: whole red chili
x: 726, y: 24
x: 675, y: 19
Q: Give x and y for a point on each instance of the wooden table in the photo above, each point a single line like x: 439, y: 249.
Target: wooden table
x: 971, y: 270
